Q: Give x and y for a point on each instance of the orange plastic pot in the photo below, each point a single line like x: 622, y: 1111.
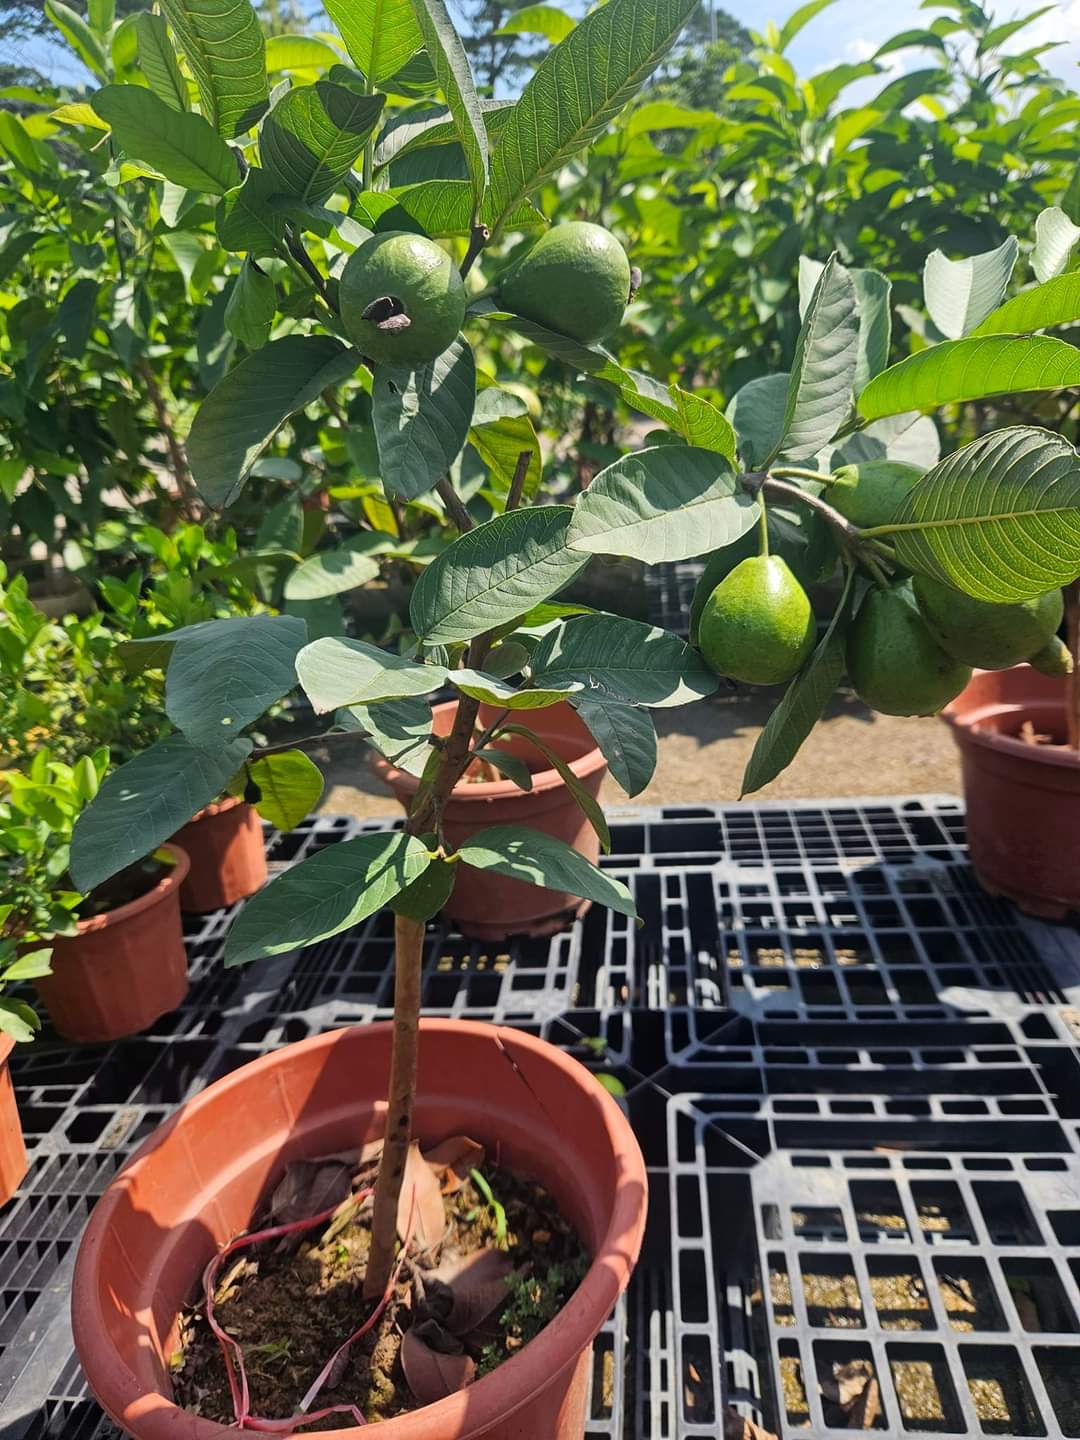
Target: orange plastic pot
x: 12, y: 1149
x: 228, y: 859
x: 124, y: 968
x: 491, y: 906
x: 1023, y: 800
x: 201, y: 1177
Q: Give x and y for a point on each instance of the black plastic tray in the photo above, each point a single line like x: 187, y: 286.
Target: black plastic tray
x: 853, y: 1075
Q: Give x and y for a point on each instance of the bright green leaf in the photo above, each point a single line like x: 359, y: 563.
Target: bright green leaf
x: 971, y: 369
x: 290, y: 786
x: 299, y: 52
x: 181, y: 145
x: 490, y: 690
x: 223, y: 44
x: 157, y: 61
x: 546, y: 20
x: 380, y: 35
x: 79, y: 36
x: 1057, y: 302
x: 701, y: 423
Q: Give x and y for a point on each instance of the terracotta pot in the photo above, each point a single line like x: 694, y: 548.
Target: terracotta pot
x: 201, y: 1177
x: 224, y: 843
x: 124, y: 968
x: 12, y: 1149
x: 490, y: 906
x: 1023, y: 801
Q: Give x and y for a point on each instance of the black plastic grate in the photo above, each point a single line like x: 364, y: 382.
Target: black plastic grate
x: 669, y: 593
x: 854, y: 1077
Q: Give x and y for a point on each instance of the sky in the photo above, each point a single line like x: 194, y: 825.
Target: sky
x: 849, y: 30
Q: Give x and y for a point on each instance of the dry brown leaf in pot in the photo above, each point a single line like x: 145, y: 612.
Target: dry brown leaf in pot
x: 420, y: 1204
x: 453, y: 1159
x: 309, y: 1187
x: 431, y: 1373
x: 479, y: 1284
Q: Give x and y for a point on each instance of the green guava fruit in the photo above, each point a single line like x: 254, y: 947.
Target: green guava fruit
x: 718, y: 567
x: 894, y: 661
x: 757, y: 626
x: 871, y: 492
x: 575, y: 280
x: 1053, y: 659
x: 990, y: 637
x: 399, y: 277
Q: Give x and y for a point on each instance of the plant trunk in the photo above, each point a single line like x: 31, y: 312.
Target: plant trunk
x: 1072, y: 680
x: 408, y: 963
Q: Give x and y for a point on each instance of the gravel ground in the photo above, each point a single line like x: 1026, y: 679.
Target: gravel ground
x: 704, y: 748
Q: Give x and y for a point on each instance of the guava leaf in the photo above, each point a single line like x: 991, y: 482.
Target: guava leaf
x: 821, y: 386
x: 422, y: 419
x: 1057, y: 302
x: 541, y: 860
x: 999, y: 518
x: 756, y: 413
x: 626, y: 736
x: 313, y: 136
x: 346, y: 566
x: 619, y: 659
x: 225, y: 677
x: 325, y: 894
x: 291, y: 786
x: 451, y: 62
x: 223, y: 44
x: 340, y: 673
x: 1055, y: 240
x: 495, y: 573
x: 380, y: 35
x: 971, y: 369
x: 662, y: 504
x: 183, y: 146
x: 961, y: 293
x: 157, y: 60
x: 701, y: 423
x: 145, y: 801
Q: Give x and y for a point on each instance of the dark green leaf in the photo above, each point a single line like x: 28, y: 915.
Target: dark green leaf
x: 583, y: 798
x: 399, y: 729
x: 246, y: 220
x: 624, y: 660
x: 422, y: 419
x: 822, y: 379
x: 249, y: 313
x: 329, y: 572
x: 240, y: 417
x: 428, y: 893
x: 181, y: 145
x: 325, y: 894
x: 313, y: 136
x: 144, y: 802
x: 627, y: 737
x: 494, y: 574
x: 223, y: 43
x: 225, y: 676
x: 337, y: 673
x: 757, y: 414
x: 157, y: 61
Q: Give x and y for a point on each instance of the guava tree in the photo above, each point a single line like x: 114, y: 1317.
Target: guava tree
x: 296, y: 180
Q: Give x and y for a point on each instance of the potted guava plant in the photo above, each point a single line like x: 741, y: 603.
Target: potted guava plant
x: 19, y: 961
x: 432, y: 1341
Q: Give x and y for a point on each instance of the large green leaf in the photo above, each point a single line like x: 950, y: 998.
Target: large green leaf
x: 399, y: 729
x: 223, y: 43
x: 440, y: 208
x: 325, y: 894
x: 299, y: 52
x: 872, y: 292
x: 701, y: 423
x: 800, y: 18
x: 756, y: 412
x: 225, y: 676
x: 669, y: 503
x: 252, y: 303
x: 380, y: 35
x: 1057, y: 302
x: 999, y: 519
x: 157, y: 60
x: 971, y: 369
x: 185, y: 149
x: 494, y: 574
x: 144, y: 802
x: 312, y: 137
x: 802, y: 706
x: 1055, y: 240
x: 422, y: 419
x: 621, y: 659
x: 541, y: 860
x: 79, y: 36
x: 577, y: 90
x: 627, y: 737
x: 822, y: 379
x: 242, y: 414
x: 338, y: 673
x: 346, y: 566
x: 961, y: 293
x: 454, y: 74
x: 290, y: 785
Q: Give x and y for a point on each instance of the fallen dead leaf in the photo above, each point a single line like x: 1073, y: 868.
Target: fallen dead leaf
x: 479, y: 1284
x: 421, y: 1202
x: 431, y: 1373
x: 453, y: 1159
x: 309, y: 1187
x: 848, y: 1382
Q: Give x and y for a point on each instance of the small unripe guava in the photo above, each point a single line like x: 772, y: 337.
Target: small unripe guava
x: 871, y: 491
x: 990, y: 637
x: 396, y: 278
x: 893, y: 660
x: 575, y: 280
x: 757, y: 626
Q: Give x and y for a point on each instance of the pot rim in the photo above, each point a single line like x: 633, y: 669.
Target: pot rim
x: 969, y: 726
x: 583, y: 767
x: 481, y: 1404
x: 171, y: 880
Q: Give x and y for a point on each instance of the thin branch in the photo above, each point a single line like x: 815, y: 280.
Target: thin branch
x: 455, y: 506
x: 310, y: 269
x: 517, y: 485
x: 178, y: 463
x: 853, y: 540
